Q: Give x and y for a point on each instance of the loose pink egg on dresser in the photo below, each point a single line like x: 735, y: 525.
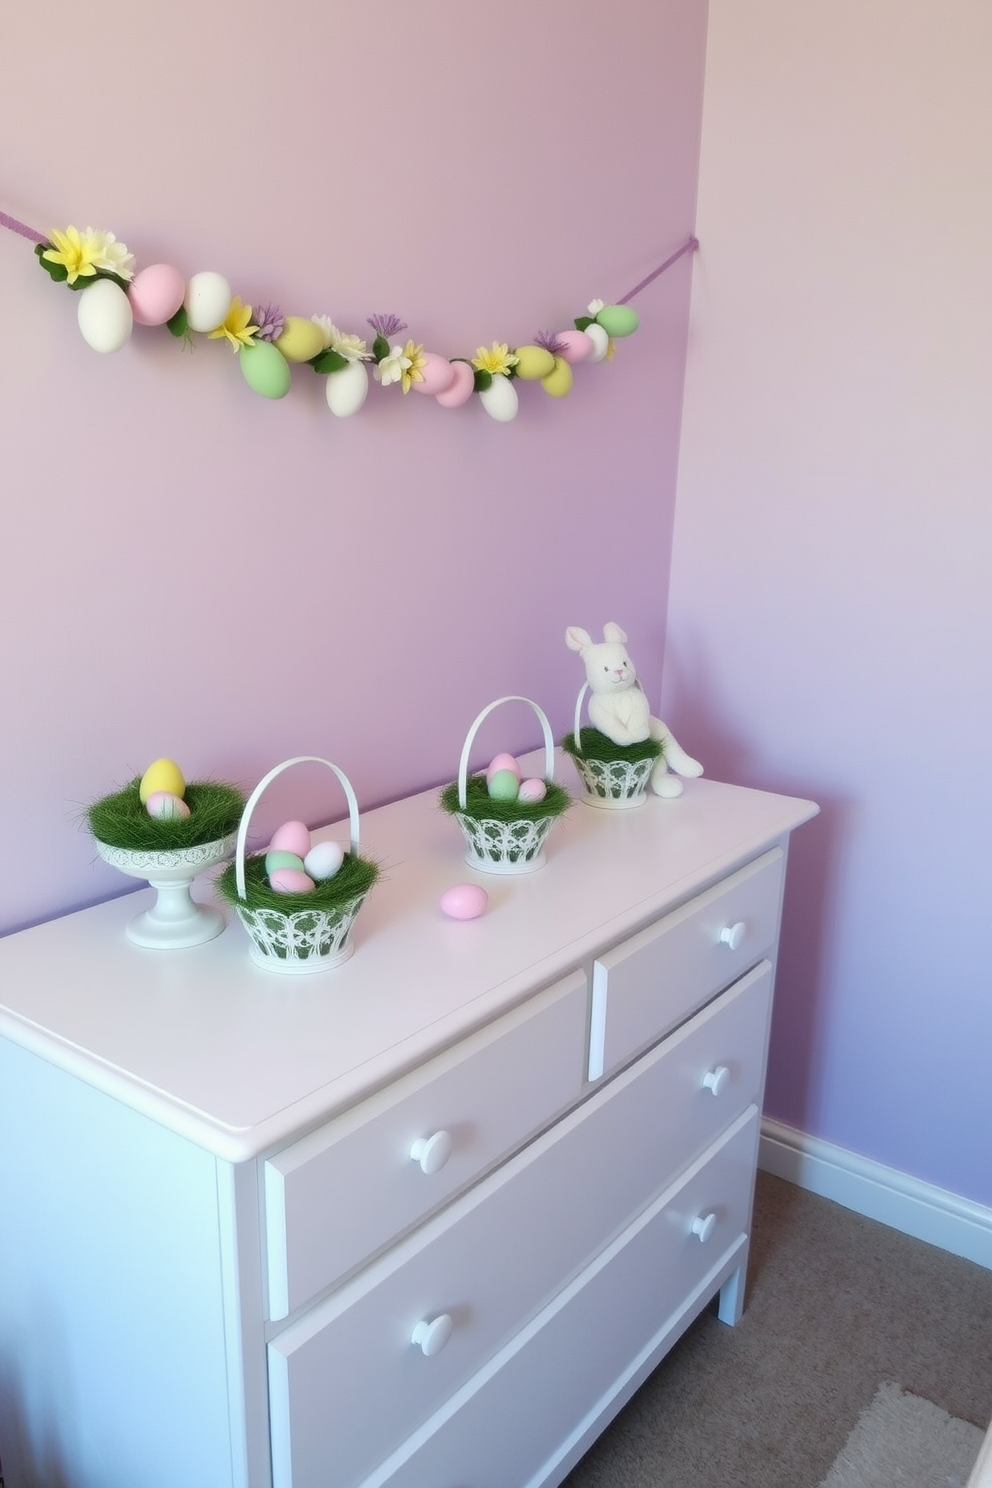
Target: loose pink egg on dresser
x: 464, y: 902
x: 292, y: 836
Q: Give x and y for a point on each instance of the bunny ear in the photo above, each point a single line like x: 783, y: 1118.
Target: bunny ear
x: 612, y: 632
x: 576, y: 639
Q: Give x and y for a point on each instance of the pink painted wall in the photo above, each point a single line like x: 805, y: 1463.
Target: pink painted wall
x: 188, y: 569
x: 831, y: 605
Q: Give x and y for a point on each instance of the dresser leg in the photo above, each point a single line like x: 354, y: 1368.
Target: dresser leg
x: 731, y: 1303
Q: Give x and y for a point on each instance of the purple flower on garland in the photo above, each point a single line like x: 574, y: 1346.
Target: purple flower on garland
x: 270, y: 322
x: 387, y: 325
x: 551, y: 341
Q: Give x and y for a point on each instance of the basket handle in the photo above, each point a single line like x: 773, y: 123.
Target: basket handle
x: 578, y: 714
x: 549, y: 744
x: 300, y: 759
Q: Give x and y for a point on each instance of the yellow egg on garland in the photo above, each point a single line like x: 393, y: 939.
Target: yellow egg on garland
x: 162, y: 776
x: 299, y: 339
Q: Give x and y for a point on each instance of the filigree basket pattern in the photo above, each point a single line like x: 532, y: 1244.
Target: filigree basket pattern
x: 508, y: 843
x: 614, y: 780
x: 143, y: 862
x: 302, y: 936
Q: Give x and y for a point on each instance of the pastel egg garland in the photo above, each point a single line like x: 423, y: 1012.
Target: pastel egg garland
x: 267, y: 342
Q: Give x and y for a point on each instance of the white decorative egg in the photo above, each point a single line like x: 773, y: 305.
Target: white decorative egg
x: 323, y: 860
x: 105, y: 316
x: 208, y: 299
x: 600, y: 342
x: 499, y: 399
x: 347, y: 389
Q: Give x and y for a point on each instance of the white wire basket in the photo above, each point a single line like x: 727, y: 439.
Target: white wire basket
x: 616, y: 784
x: 513, y: 843
x: 297, y: 941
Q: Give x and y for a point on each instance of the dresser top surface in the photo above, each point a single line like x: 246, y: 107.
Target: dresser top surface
x: 239, y: 1059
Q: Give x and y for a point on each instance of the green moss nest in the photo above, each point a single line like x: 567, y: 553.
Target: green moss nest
x: 480, y: 806
x: 121, y: 820
x: 354, y: 878
x: 599, y: 746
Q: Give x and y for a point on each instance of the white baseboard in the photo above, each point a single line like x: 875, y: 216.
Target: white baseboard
x: 933, y: 1214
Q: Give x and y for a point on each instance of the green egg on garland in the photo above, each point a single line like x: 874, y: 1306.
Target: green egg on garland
x: 114, y: 296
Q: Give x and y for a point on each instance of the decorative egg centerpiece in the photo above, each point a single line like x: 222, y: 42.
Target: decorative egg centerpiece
x: 295, y: 866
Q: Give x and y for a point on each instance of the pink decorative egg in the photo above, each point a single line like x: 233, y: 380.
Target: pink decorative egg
x: 436, y: 374
x: 461, y: 388
x: 503, y: 762
x: 156, y: 294
x: 166, y: 806
x: 576, y: 346
x: 290, y: 881
x: 532, y: 790
x: 292, y: 836
x: 464, y: 902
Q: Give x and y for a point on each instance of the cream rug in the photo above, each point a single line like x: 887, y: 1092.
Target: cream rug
x: 902, y: 1441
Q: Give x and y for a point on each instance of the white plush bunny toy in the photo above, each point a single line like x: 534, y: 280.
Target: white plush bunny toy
x: 619, y: 708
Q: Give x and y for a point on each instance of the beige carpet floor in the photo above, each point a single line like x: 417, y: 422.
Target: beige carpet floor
x: 837, y: 1305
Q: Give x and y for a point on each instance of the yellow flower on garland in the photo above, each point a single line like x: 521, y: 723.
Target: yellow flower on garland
x: 494, y: 359
x: 236, y: 326
x: 413, y: 356
x: 77, y: 251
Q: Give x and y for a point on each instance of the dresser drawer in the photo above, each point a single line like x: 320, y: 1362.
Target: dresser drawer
x: 492, y: 1260
x: 653, y: 981
x: 341, y: 1194
x: 554, y: 1382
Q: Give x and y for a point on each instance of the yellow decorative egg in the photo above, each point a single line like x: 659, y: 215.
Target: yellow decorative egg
x: 299, y: 339
x: 534, y: 362
x: 558, y: 381
x: 162, y: 775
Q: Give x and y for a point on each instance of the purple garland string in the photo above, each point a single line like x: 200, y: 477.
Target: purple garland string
x: 22, y: 228
x: 689, y: 246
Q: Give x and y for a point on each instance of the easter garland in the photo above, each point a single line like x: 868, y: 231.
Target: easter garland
x: 266, y: 341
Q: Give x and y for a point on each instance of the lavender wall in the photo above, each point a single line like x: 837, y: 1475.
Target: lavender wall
x: 831, y: 607
x: 188, y: 569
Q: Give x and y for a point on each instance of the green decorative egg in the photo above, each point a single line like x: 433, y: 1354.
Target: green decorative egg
x: 265, y: 369
x: 279, y: 858
x: 504, y: 786
x: 618, y: 320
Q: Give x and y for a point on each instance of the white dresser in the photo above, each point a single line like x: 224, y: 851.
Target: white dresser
x: 425, y: 1220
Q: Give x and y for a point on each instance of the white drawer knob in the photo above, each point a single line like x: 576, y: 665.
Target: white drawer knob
x: 432, y: 1152
x: 430, y: 1338
x: 717, y: 1079
x: 703, y: 1226
x: 733, y: 935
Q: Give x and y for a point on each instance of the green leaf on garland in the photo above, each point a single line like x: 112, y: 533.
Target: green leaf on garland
x: 483, y: 380
x: 58, y: 271
x: 178, y: 324
x: 582, y: 321
x: 328, y: 361
x: 380, y: 348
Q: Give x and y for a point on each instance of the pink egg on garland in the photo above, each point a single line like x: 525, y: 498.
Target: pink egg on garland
x: 156, y: 294
x: 461, y: 388
x: 436, y: 374
x: 574, y: 346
